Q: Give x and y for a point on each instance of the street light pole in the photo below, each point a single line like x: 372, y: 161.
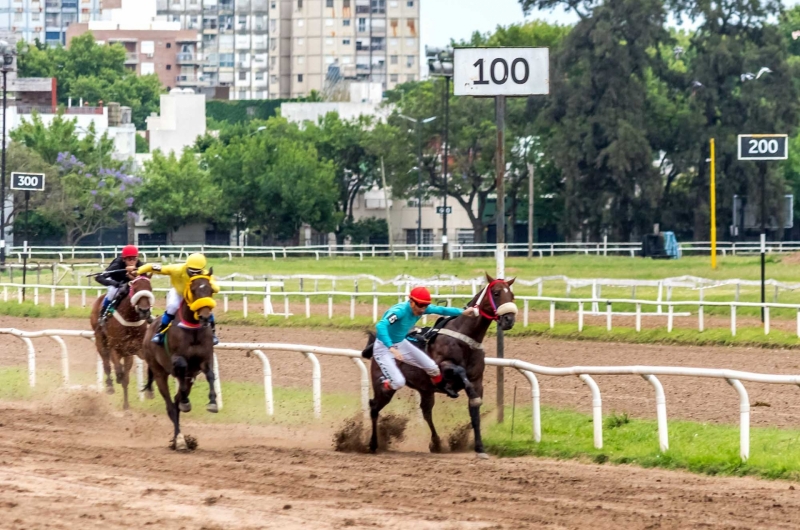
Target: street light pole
x: 8, y: 53
x: 445, y: 246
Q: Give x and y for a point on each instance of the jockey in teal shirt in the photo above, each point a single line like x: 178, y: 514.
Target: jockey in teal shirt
x: 391, y: 344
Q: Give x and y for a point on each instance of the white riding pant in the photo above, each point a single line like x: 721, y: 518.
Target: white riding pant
x: 411, y: 355
x: 111, y: 292
x: 173, y: 302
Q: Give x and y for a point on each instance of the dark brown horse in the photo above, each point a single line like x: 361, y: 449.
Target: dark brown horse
x: 458, y: 350
x: 120, y: 339
x: 188, y: 350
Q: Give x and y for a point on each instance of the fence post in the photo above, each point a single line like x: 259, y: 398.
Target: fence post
x: 525, y: 316
x: 660, y: 295
x: 744, y: 419
x: 374, y: 309
x: 597, y: 410
x: 580, y: 316
x: 244, y: 301
x: 224, y: 303
x: 638, y: 317
x: 733, y: 320
x: 352, y: 307
x: 669, y: 318
x: 553, y: 317
x: 766, y: 319
x: 330, y: 307
x: 308, y: 308
x: 608, y: 316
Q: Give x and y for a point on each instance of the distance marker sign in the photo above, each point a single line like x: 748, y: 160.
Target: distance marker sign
x: 763, y: 146
x: 501, y: 71
x: 27, y: 181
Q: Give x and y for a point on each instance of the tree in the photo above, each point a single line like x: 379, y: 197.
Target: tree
x: 25, y: 160
x: 274, y: 180
x: 176, y: 192
x: 94, y: 73
x: 90, y: 190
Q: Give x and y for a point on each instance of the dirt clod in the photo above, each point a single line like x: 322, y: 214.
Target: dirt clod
x: 353, y: 436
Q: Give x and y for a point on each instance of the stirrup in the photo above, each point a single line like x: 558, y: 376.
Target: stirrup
x: 214, y: 339
x: 158, y: 338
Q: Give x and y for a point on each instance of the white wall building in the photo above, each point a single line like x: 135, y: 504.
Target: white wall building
x: 182, y: 120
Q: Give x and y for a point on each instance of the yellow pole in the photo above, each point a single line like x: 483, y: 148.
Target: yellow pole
x: 713, y: 209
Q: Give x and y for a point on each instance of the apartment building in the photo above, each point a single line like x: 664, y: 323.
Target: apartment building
x: 287, y: 48
x: 153, y: 45
x: 46, y: 20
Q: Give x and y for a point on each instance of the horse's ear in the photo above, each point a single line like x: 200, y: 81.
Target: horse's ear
x: 488, y: 278
x: 211, y: 271
x: 511, y: 282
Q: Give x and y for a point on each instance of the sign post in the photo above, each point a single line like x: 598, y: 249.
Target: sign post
x: 761, y: 148
x: 501, y: 73
x: 27, y: 182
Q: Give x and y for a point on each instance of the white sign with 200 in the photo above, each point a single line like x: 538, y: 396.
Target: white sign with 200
x: 501, y: 71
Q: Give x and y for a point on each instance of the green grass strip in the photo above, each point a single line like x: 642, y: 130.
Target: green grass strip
x: 704, y: 448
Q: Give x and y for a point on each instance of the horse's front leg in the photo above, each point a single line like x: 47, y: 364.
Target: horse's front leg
x: 212, y: 393
x: 475, y: 397
x: 105, y: 355
x: 426, y: 402
x: 127, y: 364
x: 162, y: 382
x: 475, y: 417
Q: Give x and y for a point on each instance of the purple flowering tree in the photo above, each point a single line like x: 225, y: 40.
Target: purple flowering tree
x: 91, y: 196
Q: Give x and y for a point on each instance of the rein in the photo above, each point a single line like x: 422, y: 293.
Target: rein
x: 134, y: 299
x: 200, y: 303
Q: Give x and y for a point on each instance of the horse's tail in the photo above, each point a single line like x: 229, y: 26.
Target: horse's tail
x: 367, y: 352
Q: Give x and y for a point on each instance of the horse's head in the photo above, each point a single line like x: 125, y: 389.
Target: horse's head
x: 199, y: 296
x: 141, y: 293
x: 496, y: 302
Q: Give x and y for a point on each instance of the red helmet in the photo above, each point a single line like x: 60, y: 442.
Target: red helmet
x: 420, y: 295
x: 130, y: 251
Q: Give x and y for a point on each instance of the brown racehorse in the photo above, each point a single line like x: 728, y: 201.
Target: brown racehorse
x: 188, y: 350
x: 121, y: 338
x: 461, y: 358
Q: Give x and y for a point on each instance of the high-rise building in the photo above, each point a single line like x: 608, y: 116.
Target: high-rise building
x: 287, y: 48
x: 46, y: 20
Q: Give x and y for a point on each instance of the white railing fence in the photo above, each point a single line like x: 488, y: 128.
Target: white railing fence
x: 457, y: 250
x: 528, y: 370
x: 584, y: 306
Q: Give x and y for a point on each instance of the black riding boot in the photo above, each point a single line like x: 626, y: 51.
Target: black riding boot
x: 444, y: 387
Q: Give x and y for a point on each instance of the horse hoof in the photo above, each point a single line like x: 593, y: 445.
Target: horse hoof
x: 180, y: 443
x: 185, y: 407
x: 435, y: 446
x: 148, y: 394
x: 482, y: 456
x: 109, y: 390
x: 476, y: 402
x: 212, y: 407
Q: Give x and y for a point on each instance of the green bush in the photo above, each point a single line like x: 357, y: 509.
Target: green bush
x: 241, y: 111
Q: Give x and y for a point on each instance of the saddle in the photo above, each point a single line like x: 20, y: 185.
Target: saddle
x: 422, y: 337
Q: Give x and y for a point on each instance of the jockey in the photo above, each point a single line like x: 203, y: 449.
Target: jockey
x: 121, y: 270
x: 179, y: 277
x: 391, y: 339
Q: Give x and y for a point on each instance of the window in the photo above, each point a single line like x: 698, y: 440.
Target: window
x: 394, y: 78
x: 299, y: 4
x: 259, y: 76
x: 378, y: 7
x: 301, y: 60
x: 169, y: 45
x: 328, y: 3
x: 393, y: 59
x: 299, y: 78
x: 328, y: 42
x: 362, y: 24
x: 329, y: 22
x: 409, y: 61
x: 273, y: 79
x: 411, y: 42
x: 35, y: 17
x: 242, y: 75
x: 243, y: 94
x: 169, y: 67
x: 346, y: 4
x: 300, y: 23
x: 392, y: 42
x: 17, y: 17
x: 410, y: 78
x: 346, y: 22
x: 273, y: 5
x: 242, y: 57
x: 300, y: 41
x: 346, y: 42
x: 410, y: 3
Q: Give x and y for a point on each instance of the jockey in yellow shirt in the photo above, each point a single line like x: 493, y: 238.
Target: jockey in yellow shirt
x: 179, y: 276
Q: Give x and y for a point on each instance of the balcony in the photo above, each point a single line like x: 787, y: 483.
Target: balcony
x: 131, y: 58
x: 188, y: 58
x: 189, y: 80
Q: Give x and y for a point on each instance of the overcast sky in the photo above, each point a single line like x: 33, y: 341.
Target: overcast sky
x: 443, y: 20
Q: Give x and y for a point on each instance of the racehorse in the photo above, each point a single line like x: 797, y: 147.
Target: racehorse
x: 188, y: 350
x: 458, y: 350
x: 121, y: 337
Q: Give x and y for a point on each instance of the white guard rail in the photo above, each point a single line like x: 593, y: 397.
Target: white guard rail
x: 457, y: 250
x: 528, y: 370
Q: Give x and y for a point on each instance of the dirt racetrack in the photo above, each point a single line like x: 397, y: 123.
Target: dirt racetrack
x: 80, y: 466
x: 78, y: 463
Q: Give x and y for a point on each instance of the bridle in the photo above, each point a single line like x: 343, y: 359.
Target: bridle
x: 135, y: 297
x: 503, y: 309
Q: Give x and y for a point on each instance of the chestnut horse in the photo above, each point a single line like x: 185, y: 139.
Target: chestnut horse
x: 458, y: 350
x: 120, y: 339
x: 188, y: 350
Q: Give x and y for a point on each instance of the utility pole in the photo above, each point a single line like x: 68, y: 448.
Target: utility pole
x: 531, y: 173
